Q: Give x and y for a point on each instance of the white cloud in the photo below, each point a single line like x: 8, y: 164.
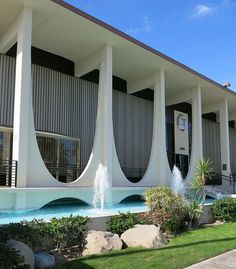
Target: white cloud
x: 200, y: 11
x: 145, y: 27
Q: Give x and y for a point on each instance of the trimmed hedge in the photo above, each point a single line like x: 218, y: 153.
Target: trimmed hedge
x: 224, y: 210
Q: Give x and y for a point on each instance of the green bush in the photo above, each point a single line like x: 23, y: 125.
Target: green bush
x: 169, y: 208
x: 22, y: 231
x: 122, y: 222
x: 10, y: 259
x: 224, y: 209
x: 61, y: 233
x: 69, y: 232
x: 160, y: 197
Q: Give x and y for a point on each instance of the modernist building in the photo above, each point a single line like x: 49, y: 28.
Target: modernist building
x: 76, y: 93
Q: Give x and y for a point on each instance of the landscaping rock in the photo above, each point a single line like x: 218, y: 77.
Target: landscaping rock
x: 147, y: 236
x: 23, y: 250
x: 100, y: 242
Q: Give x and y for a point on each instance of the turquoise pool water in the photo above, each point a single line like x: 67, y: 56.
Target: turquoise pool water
x: 73, y: 209
x: 67, y: 210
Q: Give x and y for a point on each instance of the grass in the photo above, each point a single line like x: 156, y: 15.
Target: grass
x: 182, y: 251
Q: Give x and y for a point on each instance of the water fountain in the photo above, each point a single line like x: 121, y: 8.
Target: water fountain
x: 102, y: 189
x: 177, y: 181
x: 101, y: 205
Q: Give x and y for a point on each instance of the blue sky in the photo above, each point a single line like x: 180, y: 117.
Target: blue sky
x: 200, y: 34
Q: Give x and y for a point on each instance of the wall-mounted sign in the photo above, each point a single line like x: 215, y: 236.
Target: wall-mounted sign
x: 181, y: 133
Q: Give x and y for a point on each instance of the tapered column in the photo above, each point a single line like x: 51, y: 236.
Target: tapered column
x: 224, y: 138
x: 159, y: 125
x: 197, y: 147
x: 22, y: 95
x: 104, y: 137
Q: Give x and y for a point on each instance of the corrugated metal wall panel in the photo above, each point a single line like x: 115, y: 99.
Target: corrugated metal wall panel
x: 133, y: 121
x: 211, y: 142
x: 232, y: 141
x: 65, y: 105
x: 7, y: 86
x: 68, y: 106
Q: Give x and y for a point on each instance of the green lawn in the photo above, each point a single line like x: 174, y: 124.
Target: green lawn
x: 183, y: 250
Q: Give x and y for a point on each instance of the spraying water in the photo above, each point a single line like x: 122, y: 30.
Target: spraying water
x: 101, y: 188
x: 177, y: 181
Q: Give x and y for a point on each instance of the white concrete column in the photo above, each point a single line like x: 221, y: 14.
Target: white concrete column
x: 22, y: 95
x: 197, y: 147
x: 159, y: 128
x: 158, y: 170
x: 104, y: 117
x: 224, y: 138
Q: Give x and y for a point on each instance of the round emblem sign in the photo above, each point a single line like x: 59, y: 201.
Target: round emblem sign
x: 181, y: 122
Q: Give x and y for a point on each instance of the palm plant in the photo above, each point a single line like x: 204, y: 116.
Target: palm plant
x: 204, y: 171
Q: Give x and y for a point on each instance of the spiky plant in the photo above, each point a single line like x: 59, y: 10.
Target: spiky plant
x: 204, y: 171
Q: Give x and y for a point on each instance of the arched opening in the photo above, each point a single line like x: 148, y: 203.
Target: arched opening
x: 133, y: 130
x: 65, y: 110
x: 132, y: 199
x: 65, y: 202
x: 179, y: 136
x: 7, y: 88
x: 211, y: 143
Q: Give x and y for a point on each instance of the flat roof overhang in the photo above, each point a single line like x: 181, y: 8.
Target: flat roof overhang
x: 64, y: 30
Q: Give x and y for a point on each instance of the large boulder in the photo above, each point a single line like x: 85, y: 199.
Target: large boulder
x: 147, y: 236
x: 23, y: 250
x: 100, y: 242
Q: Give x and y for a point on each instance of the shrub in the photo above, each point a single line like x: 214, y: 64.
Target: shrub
x: 61, y: 233
x: 224, y: 209
x: 122, y: 222
x: 68, y: 232
x: 10, y: 259
x: 157, y: 217
x: 21, y: 231
x: 169, y: 208
x: 158, y: 198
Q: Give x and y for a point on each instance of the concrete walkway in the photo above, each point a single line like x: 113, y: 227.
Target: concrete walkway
x: 224, y: 261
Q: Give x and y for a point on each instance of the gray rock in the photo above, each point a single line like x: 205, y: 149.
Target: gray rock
x: 99, y: 242
x: 147, y: 236
x: 23, y: 250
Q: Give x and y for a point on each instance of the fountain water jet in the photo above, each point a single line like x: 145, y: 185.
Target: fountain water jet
x: 102, y: 189
x: 177, y: 181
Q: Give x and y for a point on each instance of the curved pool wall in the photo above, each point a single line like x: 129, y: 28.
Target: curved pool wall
x: 35, y: 198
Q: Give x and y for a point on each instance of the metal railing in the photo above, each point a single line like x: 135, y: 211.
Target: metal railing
x: 134, y: 174
x: 226, y: 182
x: 233, y: 182
x: 214, y: 180
x: 64, y: 172
x: 8, y: 173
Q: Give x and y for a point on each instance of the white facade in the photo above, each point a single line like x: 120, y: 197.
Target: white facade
x: 35, y: 184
